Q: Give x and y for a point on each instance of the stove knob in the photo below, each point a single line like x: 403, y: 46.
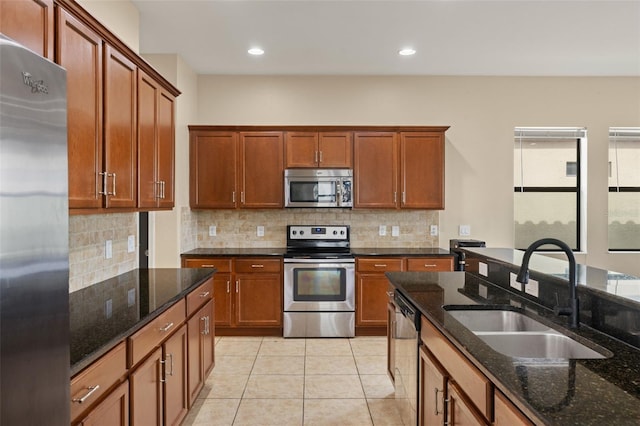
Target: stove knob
x: 341, y: 232
x: 335, y: 232
x: 294, y: 232
x: 301, y: 232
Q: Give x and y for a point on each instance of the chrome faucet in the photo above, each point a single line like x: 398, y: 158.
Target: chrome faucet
x: 572, y: 311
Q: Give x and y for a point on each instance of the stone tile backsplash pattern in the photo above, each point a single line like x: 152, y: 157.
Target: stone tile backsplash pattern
x: 87, y: 237
x: 237, y: 228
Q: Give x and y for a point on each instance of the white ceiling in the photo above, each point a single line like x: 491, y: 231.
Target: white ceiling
x: 353, y: 37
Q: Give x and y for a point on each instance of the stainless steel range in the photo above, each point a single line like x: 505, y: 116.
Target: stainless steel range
x: 319, y: 282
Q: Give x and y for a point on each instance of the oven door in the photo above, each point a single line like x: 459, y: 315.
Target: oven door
x: 319, y: 285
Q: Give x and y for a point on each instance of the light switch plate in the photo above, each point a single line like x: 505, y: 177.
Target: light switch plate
x: 108, y: 249
x: 464, y: 230
x: 213, y: 231
x: 433, y: 230
x: 531, y: 288
x: 382, y: 230
x: 260, y: 231
x: 395, y: 231
x: 131, y: 243
x: 483, y: 269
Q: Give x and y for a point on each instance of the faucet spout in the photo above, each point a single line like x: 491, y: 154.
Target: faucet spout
x: 572, y: 311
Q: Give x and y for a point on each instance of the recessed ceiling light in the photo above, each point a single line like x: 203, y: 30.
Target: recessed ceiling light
x: 407, y: 51
x: 255, y: 51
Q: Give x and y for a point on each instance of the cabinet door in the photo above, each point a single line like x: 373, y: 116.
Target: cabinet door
x: 222, y: 299
x: 175, y: 377
x: 335, y: 150
x: 200, y: 334
x: 258, y: 300
x: 375, y: 170
x: 79, y: 51
x: 460, y: 412
x: 433, y: 382
x: 30, y: 23
x: 120, y: 130
x: 262, y: 170
x: 113, y: 411
x: 507, y: 414
x: 371, y: 299
x: 146, y: 391
x: 301, y: 149
x: 148, y: 186
x: 213, y: 170
x: 422, y: 168
x: 165, y: 150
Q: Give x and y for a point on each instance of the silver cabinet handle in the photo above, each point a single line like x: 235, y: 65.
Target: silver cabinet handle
x: 204, y: 322
x: 208, y: 325
x: 404, y: 197
x: 233, y: 196
x: 257, y: 265
x: 91, y: 390
x: 114, y: 184
x: 166, y: 327
x: 207, y: 266
x: 436, y: 412
x: 170, y: 373
x: 389, y: 293
x: 395, y: 197
x: 104, y: 184
x: 321, y: 156
x: 430, y: 265
x: 162, y: 185
x: 205, y: 294
x: 228, y: 287
x: 380, y: 265
x: 236, y: 286
x: 315, y: 157
x: 242, y: 197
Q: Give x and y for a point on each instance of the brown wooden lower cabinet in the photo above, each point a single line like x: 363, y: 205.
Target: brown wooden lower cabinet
x: 460, y: 412
x: 200, y: 330
x: 507, y: 414
x: 433, y: 387
x: 248, y: 294
x: 113, y: 411
x: 146, y: 391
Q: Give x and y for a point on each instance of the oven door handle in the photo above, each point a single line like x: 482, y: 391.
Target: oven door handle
x: 321, y: 262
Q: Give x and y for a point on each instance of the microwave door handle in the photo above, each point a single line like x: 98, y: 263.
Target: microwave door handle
x: 315, y: 192
x: 338, y: 193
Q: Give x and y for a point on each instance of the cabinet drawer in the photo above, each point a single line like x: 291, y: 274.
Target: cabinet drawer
x: 92, y: 383
x: 475, y: 385
x: 222, y: 265
x: 257, y: 265
x: 144, y: 340
x: 379, y: 264
x: 199, y: 296
x: 426, y: 264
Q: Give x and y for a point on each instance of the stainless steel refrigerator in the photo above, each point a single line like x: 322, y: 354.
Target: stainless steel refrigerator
x: 34, y: 240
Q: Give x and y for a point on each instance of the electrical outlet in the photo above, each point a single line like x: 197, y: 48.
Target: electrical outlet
x: 131, y: 243
x: 531, y: 288
x: 382, y: 230
x: 213, y: 231
x: 395, y: 231
x: 513, y: 283
x: 464, y: 230
x: 433, y: 230
x: 260, y: 231
x: 108, y: 250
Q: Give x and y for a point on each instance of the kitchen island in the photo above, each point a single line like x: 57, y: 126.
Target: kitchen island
x: 546, y: 391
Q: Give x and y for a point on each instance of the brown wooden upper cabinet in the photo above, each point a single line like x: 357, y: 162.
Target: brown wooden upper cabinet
x: 399, y: 170
x: 156, y: 129
x: 30, y: 23
x: 229, y: 169
x: 318, y: 149
x: 79, y: 51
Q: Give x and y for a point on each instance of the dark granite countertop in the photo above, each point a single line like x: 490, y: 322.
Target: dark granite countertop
x: 103, y: 314
x: 559, y: 392
x: 280, y: 251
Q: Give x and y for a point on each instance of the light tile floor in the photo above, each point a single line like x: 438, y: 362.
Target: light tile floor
x: 276, y: 381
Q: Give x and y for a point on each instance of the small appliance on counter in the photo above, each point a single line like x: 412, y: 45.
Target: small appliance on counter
x: 459, y: 255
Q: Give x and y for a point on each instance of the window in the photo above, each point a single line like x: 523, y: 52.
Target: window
x: 624, y: 188
x: 548, y: 185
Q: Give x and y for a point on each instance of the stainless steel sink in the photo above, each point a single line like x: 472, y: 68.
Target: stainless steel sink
x: 538, y: 345
x: 517, y: 335
x: 496, y: 320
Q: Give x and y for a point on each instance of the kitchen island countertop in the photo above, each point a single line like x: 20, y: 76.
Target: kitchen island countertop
x: 563, y: 392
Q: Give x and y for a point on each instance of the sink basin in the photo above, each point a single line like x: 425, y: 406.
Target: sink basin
x: 517, y: 335
x: 538, y: 345
x: 496, y: 320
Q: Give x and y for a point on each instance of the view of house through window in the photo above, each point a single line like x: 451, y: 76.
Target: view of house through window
x: 547, y: 185
x: 624, y: 188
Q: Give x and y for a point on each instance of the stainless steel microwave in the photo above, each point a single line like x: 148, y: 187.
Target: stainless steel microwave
x: 318, y: 188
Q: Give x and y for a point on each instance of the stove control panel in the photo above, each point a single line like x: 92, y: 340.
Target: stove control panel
x: 310, y: 232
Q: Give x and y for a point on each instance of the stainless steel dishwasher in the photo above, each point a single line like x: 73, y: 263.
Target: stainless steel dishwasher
x: 405, y: 340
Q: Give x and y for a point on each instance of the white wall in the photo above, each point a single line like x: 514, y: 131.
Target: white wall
x: 482, y: 113
x: 121, y: 17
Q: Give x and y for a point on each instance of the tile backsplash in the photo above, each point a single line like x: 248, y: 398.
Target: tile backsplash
x: 87, y: 238
x: 238, y: 228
